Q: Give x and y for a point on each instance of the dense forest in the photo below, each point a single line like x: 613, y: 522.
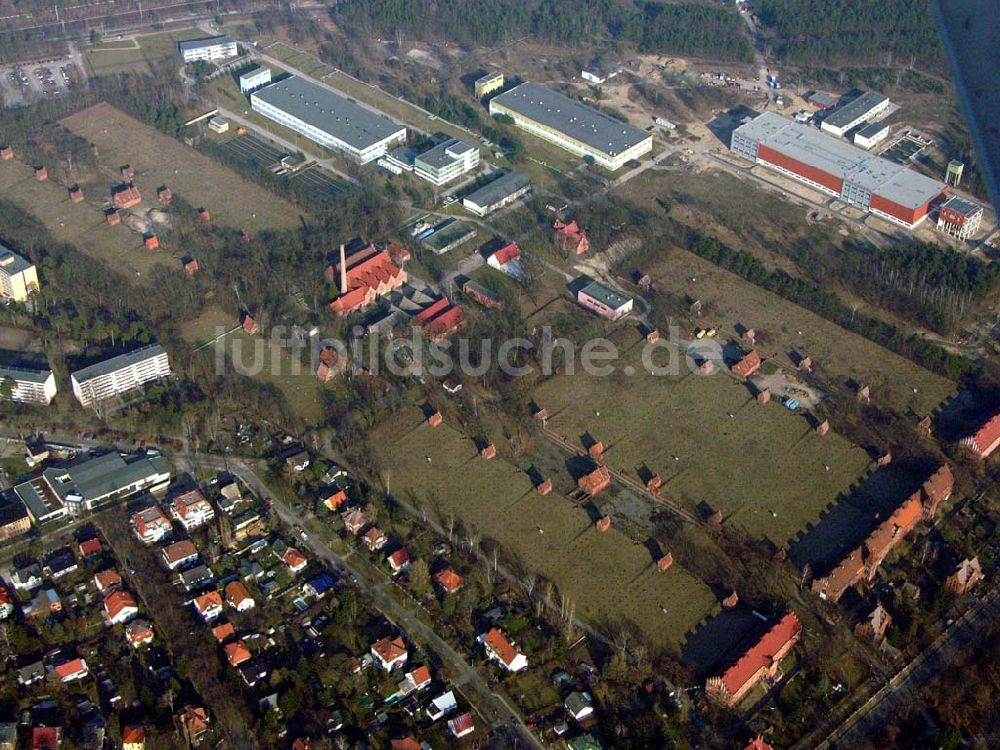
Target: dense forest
x: 831, y: 33
x: 696, y: 29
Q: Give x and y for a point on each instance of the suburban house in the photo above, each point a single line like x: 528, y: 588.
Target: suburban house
x: 74, y: 669
x: 90, y: 548
x: 449, y: 580
x: 761, y: 661
x: 26, y: 577
x: 570, y: 238
x: 462, y: 725
x: 416, y: 680
x: 139, y: 632
x: 119, y: 607
x: 390, y: 653
x: 604, y: 301
x: 966, y: 575
x: 318, y: 586
x: 375, y: 539
x: 399, y: 560
x: 508, y: 260
x: 60, y: 562
x: 194, y: 722
x: 223, y: 632
x: 747, y: 365
x: 238, y: 597
x: 758, y: 744
x: 986, y: 439
x: 862, y: 563
x: 209, y: 606
x: 595, y: 482
x: 150, y: 525
x: 362, y: 276
x: 294, y: 559
x: 179, y: 554
x: 354, y: 521
x: 196, y: 577
x: 579, y: 705
x: 134, y: 737
x: 873, y: 627
x: 106, y: 580
x: 502, y: 651
x: 192, y: 509
x: 237, y: 652
x: 441, y: 706
x: 230, y: 497
x: 125, y: 195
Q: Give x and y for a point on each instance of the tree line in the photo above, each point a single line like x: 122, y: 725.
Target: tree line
x: 709, y: 30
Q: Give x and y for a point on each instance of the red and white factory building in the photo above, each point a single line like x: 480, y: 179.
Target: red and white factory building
x: 837, y: 168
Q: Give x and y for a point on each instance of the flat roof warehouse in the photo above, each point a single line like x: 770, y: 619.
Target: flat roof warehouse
x: 323, y: 109
x: 585, y: 124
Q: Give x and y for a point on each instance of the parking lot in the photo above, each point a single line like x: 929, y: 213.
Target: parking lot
x: 22, y: 83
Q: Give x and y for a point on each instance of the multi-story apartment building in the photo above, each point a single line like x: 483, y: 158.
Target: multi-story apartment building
x: 29, y: 386
x: 213, y: 48
x: 18, y: 277
x: 191, y: 509
x: 446, y: 161
x: 120, y: 374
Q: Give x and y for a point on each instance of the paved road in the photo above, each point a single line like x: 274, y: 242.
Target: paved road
x: 928, y: 664
x: 492, y: 708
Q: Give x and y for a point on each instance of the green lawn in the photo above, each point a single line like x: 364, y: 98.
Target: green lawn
x: 610, y: 579
x: 763, y: 467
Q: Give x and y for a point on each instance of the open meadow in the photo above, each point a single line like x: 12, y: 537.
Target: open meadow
x: 609, y: 578
x: 783, y: 327
x: 81, y: 224
x: 710, y: 441
x: 159, y: 160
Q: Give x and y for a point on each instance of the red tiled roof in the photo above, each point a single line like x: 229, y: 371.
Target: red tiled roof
x: 46, y: 738
x: 250, y: 325
x: 179, y: 551
x: 237, y: 652
x: 195, y: 720
x: 449, y: 580
x: 91, y: 547
x: 420, y: 675
x: 71, y: 667
x: 223, y: 632
x: 236, y: 593
x: 986, y: 439
x: 293, y: 558
x: 507, y: 253
x: 390, y: 649
x: 117, y: 601
x: 207, y: 601
x: 139, y: 631
x: 105, y: 579
x: 891, y: 531
x: 758, y: 744
x: 497, y: 642
x: 406, y: 743
x: 133, y: 734
x: 448, y: 321
x: 762, y: 653
x: 596, y: 481
x: 352, y: 300
x: 748, y: 365
x: 399, y: 558
x: 435, y: 308
x: 461, y: 724
x: 367, y: 267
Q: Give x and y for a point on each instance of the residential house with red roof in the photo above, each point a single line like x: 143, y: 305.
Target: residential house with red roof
x: 119, y: 607
x: 295, y: 560
x: 74, y: 669
x: 748, y: 364
x: 90, y: 548
x: 986, y: 439
x: 46, y: 738
x: 354, y: 521
x: 209, y: 606
x: 106, y: 580
x: 399, y: 560
x: 873, y: 627
x: 150, y: 525
x: 570, y: 238
x: 390, y: 653
x: 126, y: 195
x: 502, y: 651
x: 192, y: 509
x: 362, y: 276
x: 238, y: 597
x: 375, y: 539
x: 966, y: 575
x: 139, y: 632
x: 237, y: 653
x: 250, y: 326
x: 761, y: 661
x: 758, y: 744
x: 404, y: 743
x: 596, y: 481
x: 418, y: 679
x: 462, y: 725
x: 223, y: 632
x: 134, y: 737
x: 507, y: 259
x: 194, y: 721
x: 179, y: 554
x: 449, y: 580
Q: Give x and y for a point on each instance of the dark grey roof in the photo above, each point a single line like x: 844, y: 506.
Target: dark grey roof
x: 608, y: 296
x: 824, y: 99
x: 117, y: 363
x: 858, y: 107
x: 872, y: 128
x: 596, y: 129
x: 444, y: 153
x: 202, y: 43
x: 963, y: 206
x: 12, y: 263
x: 500, y: 188
x: 12, y: 512
x: 25, y: 375
x: 330, y: 112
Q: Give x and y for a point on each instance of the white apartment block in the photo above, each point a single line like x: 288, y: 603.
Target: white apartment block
x: 214, y: 48
x: 446, y: 161
x: 192, y: 510
x: 18, y: 277
x: 29, y: 386
x: 120, y: 374
x: 254, y: 79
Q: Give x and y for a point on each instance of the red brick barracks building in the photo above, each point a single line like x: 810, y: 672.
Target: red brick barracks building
x: 836, y: 168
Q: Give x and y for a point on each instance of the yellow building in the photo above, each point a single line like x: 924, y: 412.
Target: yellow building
x: 18, y: 277
x: 489, y: 83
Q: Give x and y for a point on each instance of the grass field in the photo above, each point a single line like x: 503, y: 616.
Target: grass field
x: 139, y: 55
x: 295, y: 380
x: 104, y: 60
x: 836, y: 353
x: 763, y: 467
x: 81, y: 224
x: 160, y: 160
x: 608, y: 577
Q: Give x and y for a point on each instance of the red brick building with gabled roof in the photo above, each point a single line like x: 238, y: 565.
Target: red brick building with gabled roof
x: 441, y: 318
x: 125, y: 195
x: 361, y: 276
x: 571, y: 238
x: 747, y: 365
x: 760, y: 661
x: 596, y: 481
x: 986, y: 439
x: 449, y: 580
x: 250, y: 326
x: 505, y: 255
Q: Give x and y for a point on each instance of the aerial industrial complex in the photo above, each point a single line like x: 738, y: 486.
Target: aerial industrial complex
x: 836, y: 168
x: 567, y: 123
x: 328, y: 118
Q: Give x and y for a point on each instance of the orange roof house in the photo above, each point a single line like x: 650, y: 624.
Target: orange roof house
x: 375, y: 539
x: 120, y: 606
x: 603, y: 523
x: 74, y: 669
x: 758, y: 744
x: 41, y: 174
x: 748, y: 365
x: 209, y: 605
x: 571, y: 238
x: 46, y: 738
x: 223, y: 632
x: 238, y: 597
x: 237, y: 653
x: 761, y: 661
x: 488, y: 451
x: 449, y: 580
x: 91, y: 547
x: 151, y: 241
x: 596, y: 481
x: 404, y: 743
x: 502, y: 651
x: 105, y: 580
x: 665, y: 561
x: 134, y: 737
x: 250, y: 326
x: 966, y: 575
x: 435, y: 419
x: 390, y: 653
x: 505, y: 255
x: 125, y: 195
x: 399, y: 559
x: 191, y: 266
x: 294, y: 559
x: 361, y: 277
x: 194, y: 721
x: 139, y: 632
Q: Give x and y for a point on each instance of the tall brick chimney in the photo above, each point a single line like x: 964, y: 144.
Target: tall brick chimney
x: 343, y: 271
